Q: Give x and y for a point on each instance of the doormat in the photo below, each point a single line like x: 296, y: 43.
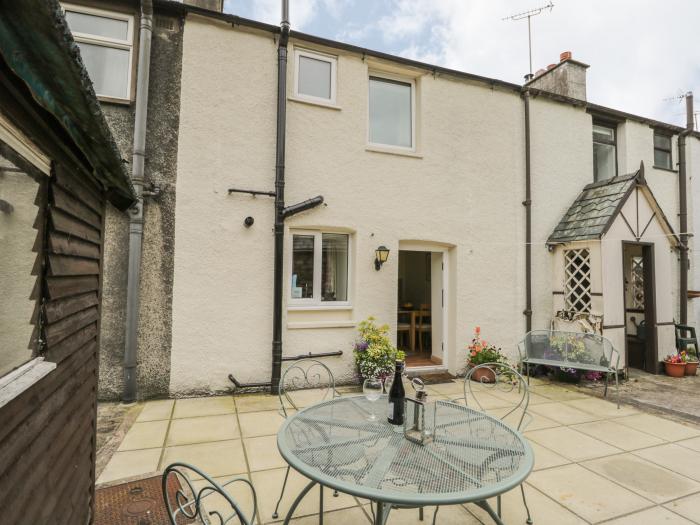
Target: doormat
x: 435, y: 378
x: 137, y: 502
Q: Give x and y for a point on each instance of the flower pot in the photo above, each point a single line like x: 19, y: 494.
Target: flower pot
x: 484, y: 375
x: 675, y: 369
x: 691, y: 367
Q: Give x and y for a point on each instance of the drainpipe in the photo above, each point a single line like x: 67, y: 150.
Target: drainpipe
x: 528, y: 217
x: 136, y: 216
x: 279, y: 197
x: 683, y: 198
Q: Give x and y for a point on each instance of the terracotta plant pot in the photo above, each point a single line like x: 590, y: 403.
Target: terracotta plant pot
x: 484, y: 375
x: 691, y: 368
x: 675, y: 369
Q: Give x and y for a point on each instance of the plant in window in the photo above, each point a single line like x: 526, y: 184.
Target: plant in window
x: 375, y: 356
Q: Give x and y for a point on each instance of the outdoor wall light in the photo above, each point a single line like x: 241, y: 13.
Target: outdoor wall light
x: 381, y: 255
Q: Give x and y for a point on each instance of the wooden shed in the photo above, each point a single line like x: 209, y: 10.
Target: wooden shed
x: 59, y: 166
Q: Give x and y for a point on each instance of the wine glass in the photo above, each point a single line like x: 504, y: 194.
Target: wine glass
x: 372, y: 389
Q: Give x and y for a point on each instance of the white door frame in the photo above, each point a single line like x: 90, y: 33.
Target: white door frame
x: 418, y: 246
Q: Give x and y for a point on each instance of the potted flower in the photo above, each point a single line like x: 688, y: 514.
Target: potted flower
x: 481, y: 352
x: 375, y: 356
x: 674, y: 365
x: 691, y: 363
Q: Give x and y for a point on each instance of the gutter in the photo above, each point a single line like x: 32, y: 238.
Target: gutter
x: 129, y: 393
x: 683, y: 211
x: 528, y: 216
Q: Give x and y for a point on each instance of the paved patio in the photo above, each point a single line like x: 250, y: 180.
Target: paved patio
x: 593, y: 463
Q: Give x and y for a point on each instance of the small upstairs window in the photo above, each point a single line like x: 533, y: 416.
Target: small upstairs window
x: 315, y: 76
x: 577, y: 273
x: 105, y: 39
x: 391, y: 112
x: 662, y: 151
x: 604, y: 152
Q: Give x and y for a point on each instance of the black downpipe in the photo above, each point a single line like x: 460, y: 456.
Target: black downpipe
x: 279, y: 198
x: 683, y: 211
x: 528, y: 217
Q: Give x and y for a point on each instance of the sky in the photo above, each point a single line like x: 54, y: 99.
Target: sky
x: 644, y: 54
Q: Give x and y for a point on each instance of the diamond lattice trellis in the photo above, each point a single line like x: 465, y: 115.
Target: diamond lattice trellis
x: 638, y: 282
x: 577, y: 290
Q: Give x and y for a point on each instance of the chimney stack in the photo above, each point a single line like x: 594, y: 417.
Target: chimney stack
x: 567, y: 78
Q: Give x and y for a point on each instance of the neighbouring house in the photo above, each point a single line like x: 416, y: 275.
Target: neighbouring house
x: 494, y: 204
x: 59, y: 166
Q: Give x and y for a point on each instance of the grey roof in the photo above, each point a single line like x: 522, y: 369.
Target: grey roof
x: 591, y: 214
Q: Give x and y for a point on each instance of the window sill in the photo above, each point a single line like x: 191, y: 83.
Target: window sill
x: 393, y: 151
x: 22, y: 378
x: 327, y: 105
x: 665, y: 169
x: 113, y: 100
x: 321, y: 324
x: 316, y: 307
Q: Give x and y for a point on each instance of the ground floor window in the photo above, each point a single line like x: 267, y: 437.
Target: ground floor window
x: 577, y: 288
x: 320, y: 268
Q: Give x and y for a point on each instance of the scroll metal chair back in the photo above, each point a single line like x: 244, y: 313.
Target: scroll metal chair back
x: 498, y: 377
x: 305, y: 375
x: 186, y: 504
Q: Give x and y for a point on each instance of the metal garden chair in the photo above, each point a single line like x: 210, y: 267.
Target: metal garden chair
x: 186, y: 503
x: 505, y: 379
x: 298, y: 380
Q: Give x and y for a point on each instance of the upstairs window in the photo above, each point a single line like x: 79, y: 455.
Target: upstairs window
x: 577, y: 288
x: 604, y: 152
x: 391, y: 112
x: 662, y: 151
x: 315, y: 76
x: 105, y: 40
x: 320, y: 268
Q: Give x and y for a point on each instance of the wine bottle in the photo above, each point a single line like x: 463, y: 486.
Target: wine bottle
x: 396, y: 408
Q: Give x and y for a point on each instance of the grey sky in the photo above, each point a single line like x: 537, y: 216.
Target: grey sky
x: 641, y: 52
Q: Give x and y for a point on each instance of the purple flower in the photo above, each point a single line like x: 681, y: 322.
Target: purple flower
x: 361, y: 346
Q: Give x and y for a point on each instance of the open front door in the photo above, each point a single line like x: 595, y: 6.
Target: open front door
x: 640, y: 309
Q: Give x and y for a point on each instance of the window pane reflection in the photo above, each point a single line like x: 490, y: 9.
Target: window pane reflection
x: 334, y: 277
x: 302, y: 267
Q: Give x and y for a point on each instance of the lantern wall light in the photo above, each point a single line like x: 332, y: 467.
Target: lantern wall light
x: 381, y: 255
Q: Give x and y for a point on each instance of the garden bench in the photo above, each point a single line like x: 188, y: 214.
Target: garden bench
x: 570, y: 350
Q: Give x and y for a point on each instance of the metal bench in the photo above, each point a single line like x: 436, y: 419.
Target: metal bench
x: 576, y: 350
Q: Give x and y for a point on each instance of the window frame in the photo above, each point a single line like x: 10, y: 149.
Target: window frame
x: 316, y: 302
x: 395, y: 79
x: 612, y: 126
x: 114, y: 43
x: 315, y: 55
x: 669, y: 136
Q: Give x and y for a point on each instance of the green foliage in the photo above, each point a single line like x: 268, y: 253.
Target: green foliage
x: 375, y: 356
x: 481, y: 352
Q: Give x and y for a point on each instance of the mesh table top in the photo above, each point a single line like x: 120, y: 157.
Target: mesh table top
x: 473, y: 456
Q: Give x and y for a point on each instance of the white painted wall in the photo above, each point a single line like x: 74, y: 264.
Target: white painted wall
x: 462, y: 190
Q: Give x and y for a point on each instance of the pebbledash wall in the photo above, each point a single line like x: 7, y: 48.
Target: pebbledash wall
x: 462, y: 191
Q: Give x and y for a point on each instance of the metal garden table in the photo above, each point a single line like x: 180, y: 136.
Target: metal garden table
x: 472, y: 457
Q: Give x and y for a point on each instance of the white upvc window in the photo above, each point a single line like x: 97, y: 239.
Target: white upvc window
x: 106, y: 42
x: 320, y: 269
x: 315, y: 76
x: 392, y: 111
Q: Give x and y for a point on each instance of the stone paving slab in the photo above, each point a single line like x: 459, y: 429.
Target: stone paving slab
x: 593, y: 463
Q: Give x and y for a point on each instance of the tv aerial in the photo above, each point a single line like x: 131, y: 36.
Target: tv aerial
x: 529, y: 14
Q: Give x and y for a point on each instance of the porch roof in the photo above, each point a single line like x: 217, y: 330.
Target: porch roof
x: 594, y: 210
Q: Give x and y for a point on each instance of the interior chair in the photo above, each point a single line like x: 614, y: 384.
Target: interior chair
x: 298, y: 380
x: 504, y: 379
x: 403, y: 331
x: 423, y: 326
x: 186, y: 500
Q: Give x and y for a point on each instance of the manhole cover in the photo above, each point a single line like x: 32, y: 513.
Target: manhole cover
x: 139, y: 507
